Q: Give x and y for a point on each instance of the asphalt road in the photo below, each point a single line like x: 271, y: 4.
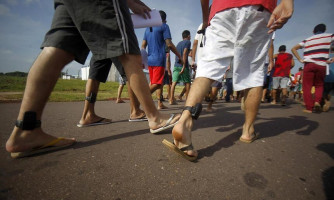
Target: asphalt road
x: 292, y: 159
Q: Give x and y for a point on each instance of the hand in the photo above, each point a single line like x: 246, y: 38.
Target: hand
x: 139, y: 8
x: 301, y: 60
x: 330, y: 61
x: 280, y: 15
x: 182, y: 70
x: 180, y: 61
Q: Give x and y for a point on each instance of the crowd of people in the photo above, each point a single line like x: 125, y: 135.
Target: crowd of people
x: 242, y: 58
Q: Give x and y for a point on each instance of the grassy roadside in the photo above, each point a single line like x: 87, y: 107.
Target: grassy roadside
x: 11, y: 90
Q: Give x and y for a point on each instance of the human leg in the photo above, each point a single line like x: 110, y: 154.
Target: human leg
x: 42, y: 78
x: 119, y: 94
x: 252, y: 99
x: 182, y: 130
x: 172, y: 93
x: 213, y: 96
x: 135, y: 111
x: 139, y: 85
x: 308, y: 76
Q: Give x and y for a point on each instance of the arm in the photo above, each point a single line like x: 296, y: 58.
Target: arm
x: 138, y: 7
x: 295, y: 52
x: 205, y: 13
x: 184, y: 59
x: 271, y: 56
x: 193, y: 56
x: 168, y: 64
x: 172, y: 47
x: 292, y: 63
x: 280, y: 15
x: 144, y: 44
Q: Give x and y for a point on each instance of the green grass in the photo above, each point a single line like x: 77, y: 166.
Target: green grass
x: 64, y: 91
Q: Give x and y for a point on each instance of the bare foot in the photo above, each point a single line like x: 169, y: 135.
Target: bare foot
x: 162, y: 106
x: 90, y: 119
x: 138, y: 115
x: 120, y: 101
x: 247, y: 134
x: 22, y: 141
x: 161, y: 120
x: 182, y: 133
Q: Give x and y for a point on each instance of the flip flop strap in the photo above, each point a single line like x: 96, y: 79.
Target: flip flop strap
x: 187, y: 148
x: 170, y: 119
x: 53, y: 142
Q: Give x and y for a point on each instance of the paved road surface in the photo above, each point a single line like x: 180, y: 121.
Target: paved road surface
x: 293, y: 159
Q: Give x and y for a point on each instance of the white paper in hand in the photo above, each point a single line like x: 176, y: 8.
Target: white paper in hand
x: 141, y: 22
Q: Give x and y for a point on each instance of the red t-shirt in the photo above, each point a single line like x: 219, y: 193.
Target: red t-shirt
x: 220, y: 5
x: 282, y: 65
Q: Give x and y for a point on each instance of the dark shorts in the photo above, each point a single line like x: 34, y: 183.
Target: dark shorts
x: 103, y: 27
x: 99, y: 69
x: 167, y: 79
x: 217, y: 84
x: 328, y: 87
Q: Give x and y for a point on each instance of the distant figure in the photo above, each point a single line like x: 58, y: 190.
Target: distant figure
x: 329, y: 85
x: 316, y: 58
x: 181, y: 72
x: 283, y: 64
x: 156, y: 39
x: 122, y: 83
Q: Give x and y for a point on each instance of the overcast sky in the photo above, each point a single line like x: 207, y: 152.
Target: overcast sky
x: 24, y: 22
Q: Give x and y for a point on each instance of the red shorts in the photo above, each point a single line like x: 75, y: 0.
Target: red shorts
x: 156, y: 74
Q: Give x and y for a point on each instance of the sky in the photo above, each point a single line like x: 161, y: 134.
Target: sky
x: 24, y: 23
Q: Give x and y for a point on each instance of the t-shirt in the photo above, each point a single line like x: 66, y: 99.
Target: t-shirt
x: 330, y: 77
x: 282, y: 65
x: 220, y: 5
x: 316, y: 48
x: 298, y: 77
x: 156, y: 45
x: 201, y: 40
x: 180, y: 47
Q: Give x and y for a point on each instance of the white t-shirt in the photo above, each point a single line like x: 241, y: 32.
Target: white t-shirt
x: 201, y: 39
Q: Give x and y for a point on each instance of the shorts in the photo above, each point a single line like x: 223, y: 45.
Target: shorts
x: 181, y: 78
x: 167, y: 79
x: 246, y: 40
x: 281, y: 82
x: 121, y: 81
x: 328, y: 87
x: 156, y: 74
x: 104, y: 28
x: 99, y: 69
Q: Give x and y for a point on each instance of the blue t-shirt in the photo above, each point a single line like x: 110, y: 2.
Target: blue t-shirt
x: 156, y: 45
x: 180, y: 48
x: 330, y: 77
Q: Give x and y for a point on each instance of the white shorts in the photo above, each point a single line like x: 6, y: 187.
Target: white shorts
x: 240, y: 33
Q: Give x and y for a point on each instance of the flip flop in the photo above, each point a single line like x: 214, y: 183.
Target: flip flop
x: 99, y: 122
x: 45, y: 148
x: 166, y: 126
x: 256, y: 136
x: 143, y: 118
x: 181, y: 152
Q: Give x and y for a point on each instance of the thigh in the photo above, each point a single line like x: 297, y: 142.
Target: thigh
x: 284, y: 82
x: 275, y: 82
